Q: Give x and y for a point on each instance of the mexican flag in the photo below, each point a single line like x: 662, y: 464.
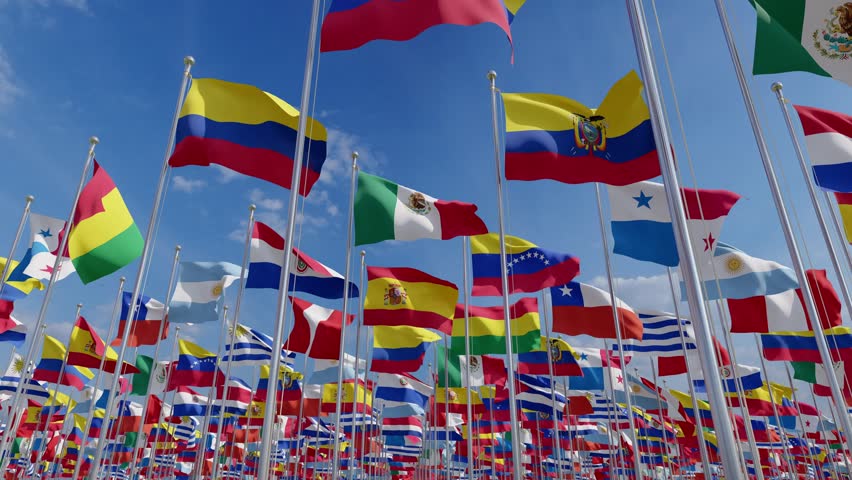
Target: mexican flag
x: 387, y: 211
x: 817, y: 375
x: 804, y: 36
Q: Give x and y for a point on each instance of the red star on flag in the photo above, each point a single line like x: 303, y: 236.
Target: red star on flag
x: 709, y: 241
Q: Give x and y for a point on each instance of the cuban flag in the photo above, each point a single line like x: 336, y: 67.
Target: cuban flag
x: 307, y: 275
x: 40, y: 258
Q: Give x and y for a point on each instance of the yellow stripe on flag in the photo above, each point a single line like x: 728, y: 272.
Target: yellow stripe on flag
x: 100, y: 228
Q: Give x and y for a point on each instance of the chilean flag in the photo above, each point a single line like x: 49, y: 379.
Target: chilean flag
x: 306, y: 275
x: 580, y: 309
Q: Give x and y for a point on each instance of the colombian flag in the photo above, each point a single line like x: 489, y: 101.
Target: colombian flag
x: 405, y: 296
x: 53, y: 356
x: 530, y: 268
x: 87, y: 349
x: 247, y: 130
x: 556, y: 138
x: 400, y: 349
x: 488, y: 329
x: 104, y: 236
x: 802, y: 346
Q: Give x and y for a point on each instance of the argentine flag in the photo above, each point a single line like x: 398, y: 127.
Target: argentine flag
x: 199, y: 293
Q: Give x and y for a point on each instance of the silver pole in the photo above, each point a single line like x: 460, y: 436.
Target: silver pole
x: 153, y: 455
x: 517, y: 455
x: 205, y: 423
x: 146, y: 250
x: 8, y: 267
x: 42, y: 313
x: 129, y: 325
x: 778, y: 88
x: 792, y: 246
x: 116, y: 309
x: 335, y: 461
x: 689, y: 268
x: 369, y: 354
x: 785, y: 445
x: 618, y: 337
x: 558, y: 443
x: 237, y: 305
x: 360, y: 321
x: 466, y: 290
x: 284, y: 287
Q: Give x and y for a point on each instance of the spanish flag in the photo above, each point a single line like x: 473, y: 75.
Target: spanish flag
x: 87, y: 349
x: 405, y: 296
x: 348, y: 395
x: 104, y: 237
x: 488, y: 329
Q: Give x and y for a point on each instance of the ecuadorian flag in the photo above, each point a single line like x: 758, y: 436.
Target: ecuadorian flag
x: 556, y: 138
x: 247, y: 130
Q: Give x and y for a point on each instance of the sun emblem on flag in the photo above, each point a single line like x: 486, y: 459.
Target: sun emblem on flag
x: 418, y: 204
x: 395, y: 294
x: 590, y: 133
x: 555, y: 351
x: 217, y: 289
x: 734, y: 264
x: 18, y: 365
x: 834, y: 39
x: 635, y: 388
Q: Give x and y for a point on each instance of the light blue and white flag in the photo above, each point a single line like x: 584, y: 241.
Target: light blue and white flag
x: 661, y: 336
x: 199, y: 293
x: 325, y: 371
x: 742, y: 276
x: 252, y: 348
x: 34, y: 390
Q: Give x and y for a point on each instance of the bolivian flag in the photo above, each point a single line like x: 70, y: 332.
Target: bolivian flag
x: 405, y: 296
x: 488, y: 329
x: 104, y: 236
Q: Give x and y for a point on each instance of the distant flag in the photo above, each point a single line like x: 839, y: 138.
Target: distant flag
x: 9, y: 383
x: 553, y: 137
x: 86, y: 349
x: 189, y: 403
x: 306, y: 275
x: 844, y: 205
x: 52, y: 358
x: 11, y: 330
x: 400, y: 349
x: 17, y: 285
x: 402, y: 395
x: 642, y: 225
x: 195, y: 366
x: 103, y: 237
x: 828, y: 136
x: 349, y: 25
x: 488, y: 329
x: 199, y: 293
x: 784, y: 311
x: 530, y: 268
x: 592, y: 362
x: 580, y: 309
x: 145, y: 327
x: 561, y: 354
x: 325, y: 371
x: 749, y: 376
x: 316, y: 330
x: 661, y: 336
x: 46, y: 234
x: 740, y: 275
x: 805, y: 36
x: 677, y: 365
x: 247, y: 130
x: 405, y: 296
x: 387, y: 211
x: 817, y: 375
x: 484, y: 370
x: 252, y: 347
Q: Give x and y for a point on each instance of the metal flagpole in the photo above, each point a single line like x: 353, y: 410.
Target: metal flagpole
x: 283, y: 289
x: 128, y: 325
x: 29, y: 370
x: 336, y: 453
x: 48, y: 292
x: 360, y: 321
x: 808, y: 456
x: 558, y: 443
x: 205, y: 424
x: 792, y: 245
x: 146, y: 250
x: 616, y: 454
x: 446, y: 400
x: 237, y: 305
x: 469, y: 405
x: 777, y: 87
x: 8, y: 266
x: 838, y: 228
x: 617, y: 321
x: 689, y: 268
x: 517, y: 453
x: 785, y: 445
x: 152, y: 460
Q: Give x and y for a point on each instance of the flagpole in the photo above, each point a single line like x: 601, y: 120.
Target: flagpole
x: 808, y: 456
x: 205, y: 424
x: 772, y: 400
x: 558, y: 446
x: 8, y: 266
x: 335, y: 467
x: 702, y: 446
x: 152, y: 463
x: 778, y: 88
x: 469, y: 405
x: 667, y: 458
x: 517, y: 454
x: 369, y: 356
x: 358, y: 323
x: 129, y: 325
x: 689, y: 267
x: 237, y: 305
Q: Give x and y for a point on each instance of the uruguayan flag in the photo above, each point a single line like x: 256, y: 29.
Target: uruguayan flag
x: 9, y: 383
x: 199, y: 293
x: 661, y: 336
x: 252, y: 348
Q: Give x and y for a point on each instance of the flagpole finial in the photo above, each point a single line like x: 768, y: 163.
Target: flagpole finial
x: 363, y: 253
x: 93, y: 140
x: 492, y: 75
x: 79, y: 305
x: 30, y: 198
x: 189, y: 60
x: 776, y: 86
x: 252, y: 207
x: 177, y: 248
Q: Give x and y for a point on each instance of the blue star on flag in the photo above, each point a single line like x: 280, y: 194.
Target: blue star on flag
x: 643, y: 200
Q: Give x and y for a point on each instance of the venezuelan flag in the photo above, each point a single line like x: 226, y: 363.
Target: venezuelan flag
x: 802, y: 346
x: 247, y: 130
x: 530, y: 268
x: 488, y: 329
x: 53, y: 356
x: 17, y: 284
x: 195, y: 367
x: 556, y: 138
x: 405, y: 296
x: 104, y: 237
x: 400, y: 349
x: 687, y: 408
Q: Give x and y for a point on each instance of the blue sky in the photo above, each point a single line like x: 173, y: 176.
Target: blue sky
x: 418, y: 112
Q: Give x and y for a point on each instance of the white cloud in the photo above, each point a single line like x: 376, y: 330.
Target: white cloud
x: 226, y: 175
x: 322, y: 199
x: 183, y: 184
x: 338, y: 160
x: 263, y: 202
x: 643, y: 293
x: 9, y: 88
